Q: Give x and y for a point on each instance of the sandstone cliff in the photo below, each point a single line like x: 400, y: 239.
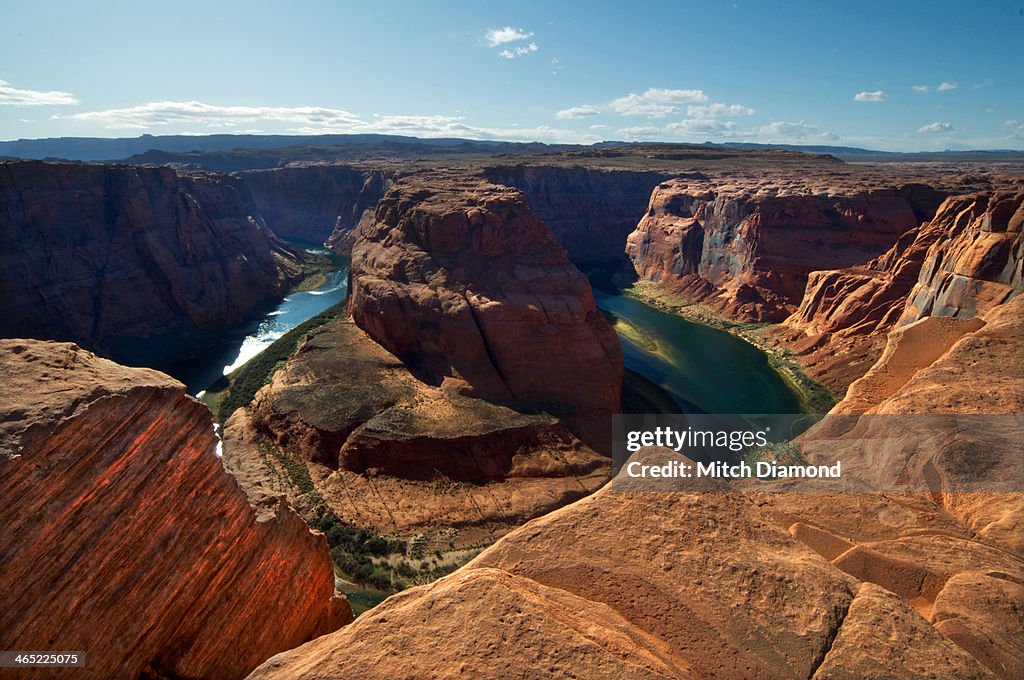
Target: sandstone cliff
x: 316, y: 203
x: 960, y: 264
x: 745, y: 245
x: 977, y: 263
x: 591, y: 211
x: 391, y: 454
x: 124, y: 537
x: 142, y: 265
x: 460, y: 280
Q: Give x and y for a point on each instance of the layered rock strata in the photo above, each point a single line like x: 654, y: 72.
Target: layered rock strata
x: 591, y: 211
x: 685, y: 582
x: 705, y: 579
x: 317, y: 203
x: 462, y: 281
x: 745, y: 246
x: 124, y: 538
x: 141, y: 265
x: 960, y: 264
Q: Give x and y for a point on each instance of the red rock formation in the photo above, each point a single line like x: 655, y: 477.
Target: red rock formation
x: 967, y: 259
x: 139, y: 264
x: 978, y: 262
x: 746, y: 246
x: 684, y: 583
x: 461, y: 281
x: 390, y: 454
x: 753, y: 584
x: 590, y: 211
x: 316, y: 203
x: 124, y: 537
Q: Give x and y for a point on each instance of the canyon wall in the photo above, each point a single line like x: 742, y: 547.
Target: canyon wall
x: 142, y: 265
x: 462, y: 281
x: 978, y: 262
x: 124, y: 538
x: 591, y: 211
x: 745, y: 246
x: 961, y: 264
x: 316, y: 203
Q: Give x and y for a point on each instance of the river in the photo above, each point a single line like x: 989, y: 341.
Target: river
x: 705, y: 369
x: 246, y: 341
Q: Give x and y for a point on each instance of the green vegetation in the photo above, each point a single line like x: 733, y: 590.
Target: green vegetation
x: 245, y: 381
x: 316, y: 266
x: 381, y: 564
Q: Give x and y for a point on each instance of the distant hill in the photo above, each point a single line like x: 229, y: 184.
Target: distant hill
x: 170, y: 148
x: 107, y: 149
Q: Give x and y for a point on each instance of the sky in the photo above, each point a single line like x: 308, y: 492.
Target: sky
x: 897, y: 75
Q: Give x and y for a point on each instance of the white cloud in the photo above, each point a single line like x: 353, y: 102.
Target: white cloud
x: 1015, y: 129
x: 656, y: 102
x: 14, y: 97
x: 584, y: 111
x: 783, y: 131
x: 935, y: 127
x: 501, y: 36
x: 313, y: 120
x: 718, y: 110
x: 947, y: 86
x: 876, y: 96
x: 192, y: 113
x: 920, y: 89
x: 640, y: 133
x: 598, y: 127
x: 703, y: 126
x: 519, y: 51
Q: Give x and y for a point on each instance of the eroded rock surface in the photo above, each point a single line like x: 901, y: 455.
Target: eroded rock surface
x: 960, y: 264
x: 142, y: 265
x: 124, y: 537
x: 591, y: 211
x: 462, y: 281
x: 317, y: 203
x: 397, y: 456
x: 745, y: 245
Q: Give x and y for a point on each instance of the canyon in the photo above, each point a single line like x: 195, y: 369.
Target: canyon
x: 142, y: 265
x: 462, y: 400
x: 755, y: 583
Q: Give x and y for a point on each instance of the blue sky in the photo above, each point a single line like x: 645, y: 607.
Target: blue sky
x: 895, y: 75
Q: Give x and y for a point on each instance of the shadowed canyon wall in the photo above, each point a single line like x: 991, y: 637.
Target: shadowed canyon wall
x: 590, y: 211
x: 316, y: 203
x: 124, y: 537
x: 142, y: 265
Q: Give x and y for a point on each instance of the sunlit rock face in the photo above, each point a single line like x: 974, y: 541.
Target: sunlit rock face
x: 124, y: 537
x: 461, y: 280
